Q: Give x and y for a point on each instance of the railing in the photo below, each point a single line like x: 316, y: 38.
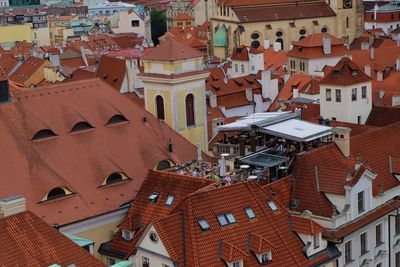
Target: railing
x: 231, y: 149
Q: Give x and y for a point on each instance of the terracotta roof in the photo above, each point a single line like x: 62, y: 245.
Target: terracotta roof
x: 80, y: 161
x: 240, y: 53
x: 281, y: 190
x: 29, y: 241
x: 79, y: 75
x: 330, y: 158
x: 142, y: 210
x: 345, y: 72
x: 182, y: 16
x: 112, y: 71
x: 28, y: 69
x: 275, y: 60
x: 207, y: 248
x: 316, y: 40
x: 384, y: 91
x: 305, y: 225
x: 171, y: 50
x: 287, y: 11
x: 383, y: 115
x: 127, y: 41
x: 7, y: 62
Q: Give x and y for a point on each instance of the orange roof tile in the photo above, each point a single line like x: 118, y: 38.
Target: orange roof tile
x: 383, y: 115
x: 305, y: 225
x: 112, y: 71
x: 182, y: 16
x: 171, y: 50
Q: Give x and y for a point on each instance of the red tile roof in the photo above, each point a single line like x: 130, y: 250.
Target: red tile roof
x: 172, y: 50
x: 28, y: 69
x: 305, y: 225
x: 345, y: 73
x: 383, y: 115
x: 240, y: 53
x: 142, y: 211
x: 316, y: 40
x: 112, y: 71
x: 29, y: 241
x: 7, y: 62
x: 206, y: 248
x: 182, y: 16
x: 80, y: 161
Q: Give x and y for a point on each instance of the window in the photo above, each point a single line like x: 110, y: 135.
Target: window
x: 115, y: 178
x: 169, y: 201
x: 230, y: 217
x: 302, y: 66
x: 203, y: 224
x: 127, y: 234
x: 324, y: 29
x: 363, y: 243
x: 111, y: 261
x: 363, y: 92
x: 292, y: 64
x: 250, y: 213
x: 360, y: 202
x: 266, y: 257
x: 354, y: 94
x: 135, y: 23
x: 236, y: 264
x: 42, y: 134
x: 165, y: 164
x: 379, y: 264
x: 81, y: 126
x: 328, y: 93
x: 242, y: 68
x: 272, y: 205
x: 116, y: 119
x: 236, y: 68
x: 160, y: 108
x: 347, y: 22
x: 338, y: 95
x: 347, y: 252
x: 222, y: 220
x: 190, y: 110
x: 145, y: 261
x: 154, y: 197
x: 397, y: 224
x: 56, y: 193
x: 378, y: 235
x: 316, y: 241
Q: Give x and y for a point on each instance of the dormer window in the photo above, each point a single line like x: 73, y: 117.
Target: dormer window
x: 361, y: 202
x: 114, y: 178
x: 43, y: 134
x: 127, y: 234
x: 57, y: 192
x: 154, y: 197
x: 266, y: 257
x: 272, y: 205
x: 81, y: 126
x: 316, y: 241
x: 118, y: 118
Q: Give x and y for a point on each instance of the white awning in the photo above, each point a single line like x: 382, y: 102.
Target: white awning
x: 244, y: 123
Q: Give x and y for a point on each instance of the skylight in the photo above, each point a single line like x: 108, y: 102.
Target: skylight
x: 272, y: 205
x: 222, y: 220
x: 250, y: 213
x: 230, y: 217
x: 169, y: 201
x: 203, y: 224
x: 42, y: 134
x: 153, y: 197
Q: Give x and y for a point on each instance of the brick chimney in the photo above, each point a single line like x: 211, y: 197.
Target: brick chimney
x: 341, y: 137
x: 12, y: 205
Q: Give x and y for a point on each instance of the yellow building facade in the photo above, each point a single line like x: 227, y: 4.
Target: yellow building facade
x: 13, y: 33
x: 174, y: 91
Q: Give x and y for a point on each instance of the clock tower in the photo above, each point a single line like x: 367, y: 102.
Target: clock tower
x: 349, y: 18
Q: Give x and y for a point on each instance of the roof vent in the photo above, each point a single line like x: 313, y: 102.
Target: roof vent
x: 12, y: 205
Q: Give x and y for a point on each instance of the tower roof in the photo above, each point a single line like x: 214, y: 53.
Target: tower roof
x: 172, y: 50
x: 345, y: 72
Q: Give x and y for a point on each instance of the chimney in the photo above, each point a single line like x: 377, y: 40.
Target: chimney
x: 12, y: 205
x: 375, y: 10
x: 213, y: 100
x: 277, y: 46
x: 398, y: 64
x: 326, y: 43
x: 372, y: 53
x: 266, y: 44
x: 367, y: 70
x: 349, y: 176
x: 249, y: 94
x: 295, y: 91
x: 379, y: 76
x: 170, y: 146
x: 341, y: 137
x: 4, y: 91
x: 358, y: 162
x: 222, y: 166
x: 371, y: 40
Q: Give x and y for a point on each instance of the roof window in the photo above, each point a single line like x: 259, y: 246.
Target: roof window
x: 42, y: 134
x: 272, y: 205
x: 169, y: 201
x: 203, y: 224
x: 118, y: 118
x: 154, y: 197
x: 81, y: 126
x: 250, y: 213
x: 230, y: 217
x: 114, y: 178
x: 57, y: 192
x: 226, y: 219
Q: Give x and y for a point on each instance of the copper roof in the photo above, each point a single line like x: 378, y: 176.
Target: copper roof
x: 80, y: 161
x: 172, y: 50
x: 26, y: 240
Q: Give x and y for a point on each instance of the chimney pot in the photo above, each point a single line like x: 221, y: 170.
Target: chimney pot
x: 341, y: 137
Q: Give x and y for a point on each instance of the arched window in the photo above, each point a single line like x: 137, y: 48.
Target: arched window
x: 118, y: 118
x: 255, y: 43
x: 324, y: 29
x: 280, y: 40
x: 115, y: 177
x: 81, y: 126
x: 160, y: 108
x: 165, y: 164
x: 42, y: 134
x: 57, y: 192
x: 302, y: 33
x: 347, y: 22
x: 189, y: 102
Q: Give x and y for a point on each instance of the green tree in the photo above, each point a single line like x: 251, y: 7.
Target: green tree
x: 158, y: 24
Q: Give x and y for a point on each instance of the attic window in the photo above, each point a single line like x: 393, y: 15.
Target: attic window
x: 203, y: 224
x: 272, y: 205
x: 81, y: 126
x: 354, y: 72
x: 42, y: 134
x: 57, y: 192
x: 115, y: 79
x: 116, y: 119
x: 127, y: 235
x: 250, y: 213
x: 105, y: 77
x: 226, y: 219
x: 169, y: 201
x: 153, y: 197
x: 230, y: 217
x: 165, y: 164
x: 115, y: 177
